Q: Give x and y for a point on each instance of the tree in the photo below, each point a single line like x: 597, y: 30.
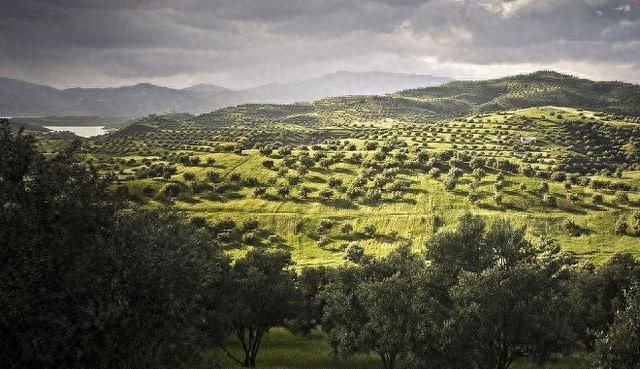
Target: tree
x: 283, y: 191
x: 262, y: 295
x: 507, y: 294
x: 549, y: 200
x: 268, y: 163
x: 86, y: 283
x: 620, y: 347
x: 369, y: 231
x: 310, y: 283
x: 346, y: 229
x: 305, y: 191
x: 326, y: 194
x: 600, y: 293
x: 334, y: 182
x: 354, y: 252
x: 450, y: 183
x: 376, y: 307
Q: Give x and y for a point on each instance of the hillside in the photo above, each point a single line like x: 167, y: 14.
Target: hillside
x: 567, y: 173
x: 398, y: 163
x: 536, y: 89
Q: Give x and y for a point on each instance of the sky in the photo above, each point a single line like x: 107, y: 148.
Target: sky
x: 244, y: 43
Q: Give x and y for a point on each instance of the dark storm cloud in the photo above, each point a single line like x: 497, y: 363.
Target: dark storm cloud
x: 254, y: 41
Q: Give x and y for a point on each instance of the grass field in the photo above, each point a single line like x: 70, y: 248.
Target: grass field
x: 411, y: 214
x: 282, y: 350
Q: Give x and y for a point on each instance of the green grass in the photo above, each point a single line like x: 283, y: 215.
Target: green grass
x: 283, y: 350
x: 425, y: 206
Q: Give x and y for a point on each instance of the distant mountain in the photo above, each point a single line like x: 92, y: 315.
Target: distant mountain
x: 452, y: 99
x: 203, y: 87
x: 341, y: 84
x: 23, y: 98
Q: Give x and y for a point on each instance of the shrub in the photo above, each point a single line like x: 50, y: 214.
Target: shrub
x: 259, y: 191
x: 549, y: 200
x: 450, y: 183
x: 250, y: 224
x: 268, y: 163
x: 189, y: 176
x: 326, y: 194
x: 597, y: 199
x: 621, y: 226
x: 370, y: 231
x: 571, y: 227
x: 354, y: 252
x: 335, y: 182
x: 249, y: 238
x: 346, y: 229
x: 573, y: 197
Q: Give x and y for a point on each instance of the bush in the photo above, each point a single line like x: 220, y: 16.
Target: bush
x: 370, y: 231
x: 597, y: 199
x: 268, y: 163
x: 259, y: 191
x: 346, y: 229
x: 571, y: 227
x: 250, y: 224
x: 621, y: 226
x: 249, y: 238
x: 354, y: 252
x: 324, y: 241
x: 573, y: 197
x: 549, y: 200
x: 189, y: 176
x: 450, y: 183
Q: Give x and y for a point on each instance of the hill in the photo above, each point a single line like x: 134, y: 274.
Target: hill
x: 23, y: 98
x: 394, y: 169
x: 530, y: 90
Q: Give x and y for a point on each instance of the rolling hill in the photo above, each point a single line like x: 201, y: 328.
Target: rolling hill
x: 530, y: 90
x: 407, y: 164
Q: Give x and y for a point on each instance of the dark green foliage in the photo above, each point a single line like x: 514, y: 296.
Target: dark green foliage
x: 620, y: 347
x: 262, y: 295
x: 84, y: 286
x: 507, y: 294
x: 376, y: 308
x: 600, y: 294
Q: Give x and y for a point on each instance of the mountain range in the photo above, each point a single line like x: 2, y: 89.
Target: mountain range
x: 20, y: 98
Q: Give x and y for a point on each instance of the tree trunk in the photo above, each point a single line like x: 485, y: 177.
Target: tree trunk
x: 388, y: 360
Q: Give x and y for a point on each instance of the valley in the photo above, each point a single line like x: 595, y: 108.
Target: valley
x: 316, y: 176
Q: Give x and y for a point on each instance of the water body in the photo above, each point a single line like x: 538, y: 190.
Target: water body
x: 82, y: 131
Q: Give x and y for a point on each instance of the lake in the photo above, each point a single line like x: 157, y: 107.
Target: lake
x: 82, y: 131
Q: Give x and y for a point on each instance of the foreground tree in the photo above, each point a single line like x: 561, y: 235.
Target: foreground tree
x: 85, y: 286
x: 262, y: 295
x: 508, y: 296
x: 378, y: 307
x: 620, y: 347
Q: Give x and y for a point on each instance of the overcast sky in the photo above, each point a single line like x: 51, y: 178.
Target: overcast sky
x: 241, y: 43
